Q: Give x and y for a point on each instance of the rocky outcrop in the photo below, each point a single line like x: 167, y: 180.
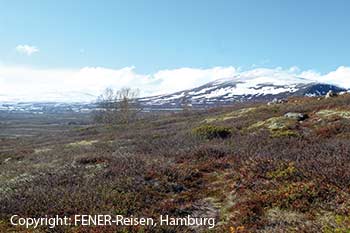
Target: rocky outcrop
x: 296, y: 116
x: 331, y: 94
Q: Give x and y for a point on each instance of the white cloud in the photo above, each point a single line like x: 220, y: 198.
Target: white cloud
x: 26, y: 49
x: 33, y: 84
x: 167, y: 81
x: 28, y: 84
x: 340, y: 76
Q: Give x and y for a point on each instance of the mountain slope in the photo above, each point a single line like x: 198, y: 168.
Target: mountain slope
x: 242, y: 88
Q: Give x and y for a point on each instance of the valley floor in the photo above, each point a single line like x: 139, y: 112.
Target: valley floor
x: 251, y: 168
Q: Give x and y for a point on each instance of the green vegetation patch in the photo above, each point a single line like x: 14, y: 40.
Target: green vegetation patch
x: 212, y: 131
x: 335, y: 223
x: 330, y: 113
x: 284, y: 133
x: 41, y: 150
x: 82, y: 143
x: 274, y: 123
x: 232, y: 115
x: 278, y: 126
x: 283, y: 172
x: 300, y: 196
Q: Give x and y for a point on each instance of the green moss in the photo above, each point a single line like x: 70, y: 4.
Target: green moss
x: 278, y: 126
x: 274, y: 123
x: 211, y: 131
x: 232, y: 115
x: 330, y: 113
x: 82, y: 143
x: 336, y: 223
x: 284, y: 133
x: 283, y: 172
x: 41, y: 150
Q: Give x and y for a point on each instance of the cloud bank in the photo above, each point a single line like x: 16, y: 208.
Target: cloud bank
x: 26, y: 49
x: 33, y: 84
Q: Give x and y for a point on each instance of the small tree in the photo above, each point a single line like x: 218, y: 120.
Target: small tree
x: 186, y: 105
x: 106, y: 105
x: 127, y: 104
x: 117, y: 106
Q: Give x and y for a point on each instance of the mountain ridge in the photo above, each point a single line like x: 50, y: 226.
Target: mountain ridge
x: 251, y: 86
x: 221, y: 92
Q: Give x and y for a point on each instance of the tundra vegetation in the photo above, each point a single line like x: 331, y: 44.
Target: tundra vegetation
x: 252, y: 167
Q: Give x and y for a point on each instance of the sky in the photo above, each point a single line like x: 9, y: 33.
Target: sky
x: 163, y: 43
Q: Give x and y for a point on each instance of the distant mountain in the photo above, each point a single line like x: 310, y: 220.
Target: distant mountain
x: 46, y: 107
x: 253, y: 86
x: 50, y: 96
x: 240, y: 89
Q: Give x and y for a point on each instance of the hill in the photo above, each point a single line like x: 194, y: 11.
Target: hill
x: 238, y: 90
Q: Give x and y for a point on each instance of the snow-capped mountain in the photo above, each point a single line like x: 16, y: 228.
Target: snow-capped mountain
x: 242, y: 88
x: 48, y: 102
x: 250, y: 86
x: 49, y: 96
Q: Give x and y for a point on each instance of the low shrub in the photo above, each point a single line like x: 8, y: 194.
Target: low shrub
x: 212, y: 131
x: 205, y: 152
x: 91, y: 160
x: 329, y: 130
x: 284, y: 133
x: 283, y: 172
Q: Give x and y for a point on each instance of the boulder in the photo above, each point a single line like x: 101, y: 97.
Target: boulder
x: 331, y: 94
x: 282, y: 101
x: 274, y: 101
x: 296, y: 116
x: 277, y: 101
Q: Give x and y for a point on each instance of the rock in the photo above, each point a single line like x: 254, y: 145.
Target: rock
x: 282, y: 101
x: 331, y: 94
x: 6, y: 160
x: 274, y: 101
x: 296, y: 116
x: 277, y: 101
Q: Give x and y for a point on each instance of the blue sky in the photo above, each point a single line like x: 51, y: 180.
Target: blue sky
x: 162, y: 46
x: 162, y: 34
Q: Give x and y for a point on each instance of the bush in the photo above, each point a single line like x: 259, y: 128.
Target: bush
x: 212, y: 131
x: 284, y: 133
x: 329, y: 130
x: 205, y: 152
